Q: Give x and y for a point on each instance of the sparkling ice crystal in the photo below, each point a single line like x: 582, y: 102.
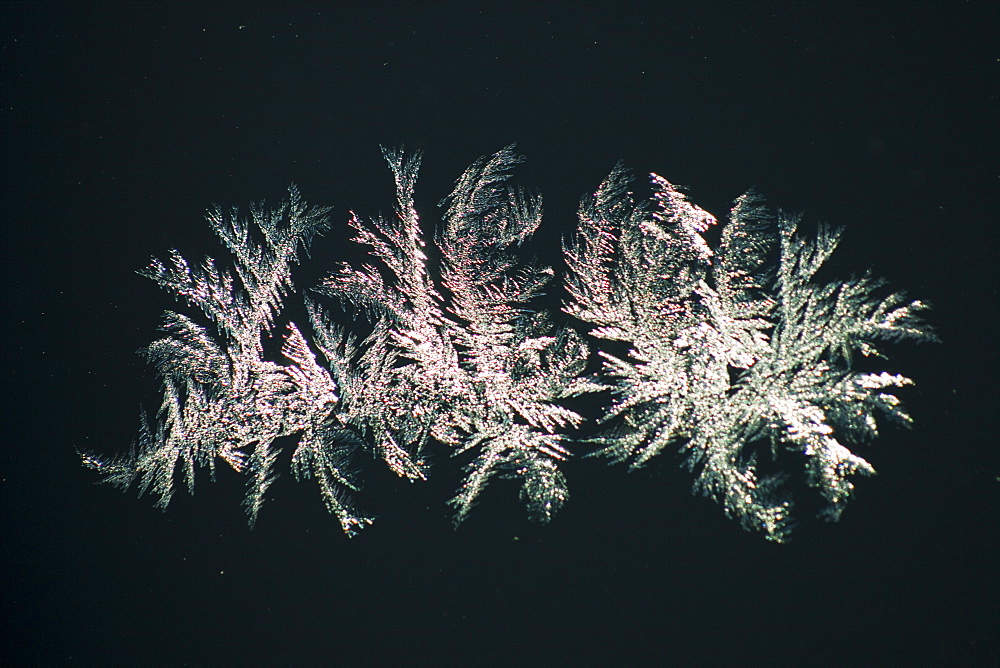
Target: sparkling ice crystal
x: 735, y: 354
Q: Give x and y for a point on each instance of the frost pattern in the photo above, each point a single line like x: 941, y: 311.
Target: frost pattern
x: 468, y: 365
x: 465, y: 362
x: 728, y: 352
x: 734, y: 353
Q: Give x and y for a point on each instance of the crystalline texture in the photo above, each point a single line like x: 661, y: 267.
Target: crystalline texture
x: 221, y: 398
x: 466, y: 363
x: 735, y: 352
x: 729, y: 351
x: 475, y: 370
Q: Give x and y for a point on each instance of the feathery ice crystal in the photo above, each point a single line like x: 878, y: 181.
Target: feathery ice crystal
x: 734, y: 353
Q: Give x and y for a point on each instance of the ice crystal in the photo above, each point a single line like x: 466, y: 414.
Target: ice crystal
x: 729, y: 352
x: 465, y: 363
x: 462, y: 361
x: 730, y: 348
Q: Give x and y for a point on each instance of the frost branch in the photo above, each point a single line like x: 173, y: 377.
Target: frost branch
x: 727, y: 352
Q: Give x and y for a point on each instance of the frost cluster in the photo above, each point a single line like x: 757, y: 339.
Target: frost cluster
x: 734, y: 354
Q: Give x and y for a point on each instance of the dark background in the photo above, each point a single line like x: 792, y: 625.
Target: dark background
x: 120, y: 126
